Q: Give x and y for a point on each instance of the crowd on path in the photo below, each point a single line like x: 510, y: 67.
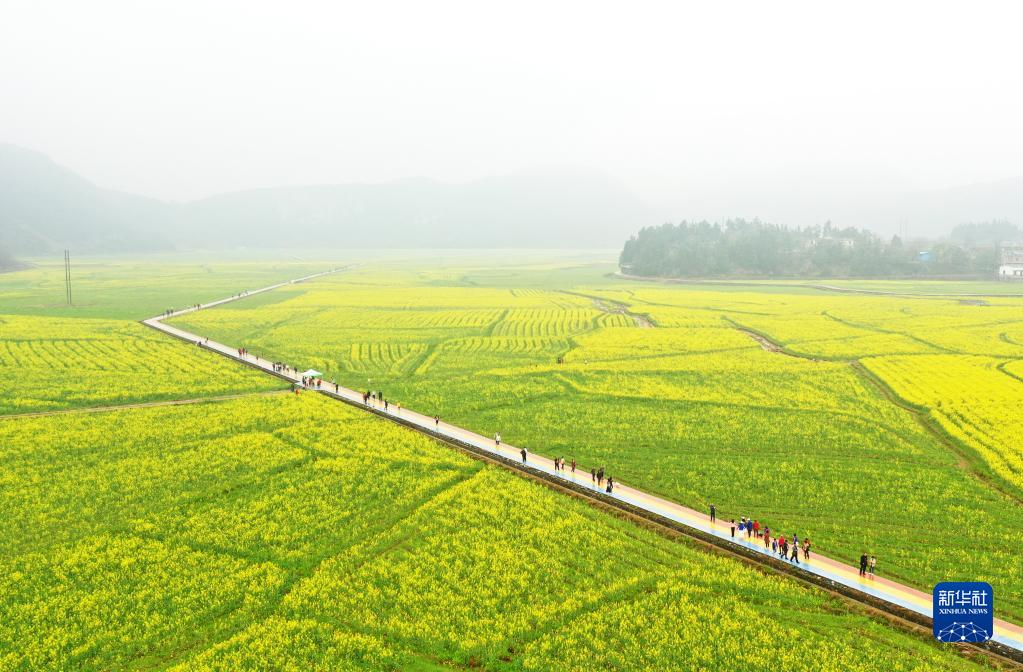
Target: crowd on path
x: 785, y: 548
x: 376, y: 397
x: 171, y: 311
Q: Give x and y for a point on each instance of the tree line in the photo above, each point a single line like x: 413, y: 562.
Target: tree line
x: 755, y: 248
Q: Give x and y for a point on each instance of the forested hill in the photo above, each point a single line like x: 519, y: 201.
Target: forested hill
x: 755, y: 248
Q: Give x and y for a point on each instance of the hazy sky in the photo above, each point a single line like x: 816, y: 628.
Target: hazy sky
x: 679, y: 100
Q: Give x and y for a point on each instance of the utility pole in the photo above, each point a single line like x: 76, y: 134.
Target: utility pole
x: 67, y: 275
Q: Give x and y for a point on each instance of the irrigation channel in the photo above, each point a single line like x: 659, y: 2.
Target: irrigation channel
x: 895, y: 599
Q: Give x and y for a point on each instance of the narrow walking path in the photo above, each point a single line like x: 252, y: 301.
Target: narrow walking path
x: 1008, y: 634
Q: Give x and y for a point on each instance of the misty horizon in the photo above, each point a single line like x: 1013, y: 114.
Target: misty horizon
x: 702, y: 113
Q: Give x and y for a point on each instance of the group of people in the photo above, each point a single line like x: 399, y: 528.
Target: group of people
x: 375, y: 396
x: 597, y: 476
x: 171, y: 311
x: 784, y: 548
x: 242, y: 352
x: 559, y: 464
x: 867, y: 565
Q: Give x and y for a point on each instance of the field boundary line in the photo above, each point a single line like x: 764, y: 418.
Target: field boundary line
x: 143, y: 404
x: 976, y: 464
x: 642, y: 320
x: 968, y: 459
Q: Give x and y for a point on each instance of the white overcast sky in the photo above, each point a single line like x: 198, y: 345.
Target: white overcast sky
x: 182, y: 99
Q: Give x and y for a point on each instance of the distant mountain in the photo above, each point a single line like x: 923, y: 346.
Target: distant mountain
x: 45, y: 208
x: 536, y: 209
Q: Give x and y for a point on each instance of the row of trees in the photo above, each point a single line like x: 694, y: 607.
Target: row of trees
x: 755, y: 248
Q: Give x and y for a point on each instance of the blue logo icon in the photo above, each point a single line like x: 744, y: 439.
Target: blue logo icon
x: 963, y: 611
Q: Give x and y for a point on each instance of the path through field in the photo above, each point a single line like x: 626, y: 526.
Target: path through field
x: 1006, y: 633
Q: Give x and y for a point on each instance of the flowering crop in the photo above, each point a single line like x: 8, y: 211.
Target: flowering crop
x: 695, y: 409
x: 292, y: 532
x: 972, y: 398
x: 57, y: 363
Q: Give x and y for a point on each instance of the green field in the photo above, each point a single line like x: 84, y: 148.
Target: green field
x: 282, y: 531
x: 694, y: 408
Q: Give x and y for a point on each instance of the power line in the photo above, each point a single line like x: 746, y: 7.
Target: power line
x: 67, y: 275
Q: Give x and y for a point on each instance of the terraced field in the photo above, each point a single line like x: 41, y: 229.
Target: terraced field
x: 783, y: 429
x: 290, y: 532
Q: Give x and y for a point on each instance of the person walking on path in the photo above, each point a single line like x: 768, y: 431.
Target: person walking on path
x: 863, y: 564
x: 573, y: 466
x: 523, y: 453
x: 774, y: 545
x: 767, y: 537
x: 795, y: 552
x: 497, y: 439
x: 713, y: 513
x: 733, y: 528
x: 593, y: 474
x: 399, y: 409
x: 872, y: 566
x: 600, y: 477
x: 806, y: 549
x: 436, y: 424
x: 756, y: 529
x: 610, y: 485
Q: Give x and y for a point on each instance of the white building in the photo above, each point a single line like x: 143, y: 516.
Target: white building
x: 1012, y: 263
